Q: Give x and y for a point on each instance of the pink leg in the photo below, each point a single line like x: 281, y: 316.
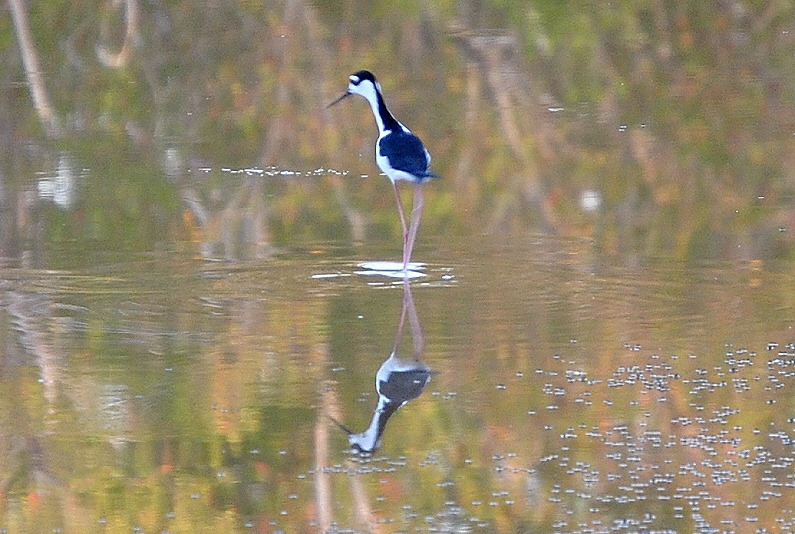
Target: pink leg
x: 399, y: 333
x: 416, y: 213
x: 414, y: 321
x: 402, y: 215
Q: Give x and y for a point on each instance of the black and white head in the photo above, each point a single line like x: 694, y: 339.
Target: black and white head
x: 361, y: 83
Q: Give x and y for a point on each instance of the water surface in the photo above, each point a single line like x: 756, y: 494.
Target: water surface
x: 569, y: 392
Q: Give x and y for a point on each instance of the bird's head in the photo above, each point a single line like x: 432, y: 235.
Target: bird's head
x: 361, y: 83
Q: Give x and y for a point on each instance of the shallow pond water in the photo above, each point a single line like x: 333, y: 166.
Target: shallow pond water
x: 567, y: 392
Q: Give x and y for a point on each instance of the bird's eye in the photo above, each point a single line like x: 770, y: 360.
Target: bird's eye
x: 355, y: 80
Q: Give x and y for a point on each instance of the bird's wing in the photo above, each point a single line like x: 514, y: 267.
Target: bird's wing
x: 406, y: 153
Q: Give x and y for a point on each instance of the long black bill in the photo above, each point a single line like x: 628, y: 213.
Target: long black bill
x: 342, y: 427
x: 340, y: 99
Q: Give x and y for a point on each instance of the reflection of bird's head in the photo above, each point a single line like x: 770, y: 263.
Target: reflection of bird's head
x: 362, y: 443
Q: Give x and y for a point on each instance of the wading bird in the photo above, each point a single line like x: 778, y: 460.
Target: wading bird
x: 399, y: 153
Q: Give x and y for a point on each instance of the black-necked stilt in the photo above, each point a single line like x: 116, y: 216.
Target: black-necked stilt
x: 399, y: 153
x: 398, y: 380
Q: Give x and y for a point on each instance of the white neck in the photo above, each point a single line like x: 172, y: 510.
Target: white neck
x: 369, y: 440
x: 369, y: 92
x: 378, y: 120
x: 383, y: 118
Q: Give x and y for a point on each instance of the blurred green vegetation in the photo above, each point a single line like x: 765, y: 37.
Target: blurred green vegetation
x: 678, y: 115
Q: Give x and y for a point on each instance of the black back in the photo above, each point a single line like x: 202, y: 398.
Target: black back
x: 406, y: 153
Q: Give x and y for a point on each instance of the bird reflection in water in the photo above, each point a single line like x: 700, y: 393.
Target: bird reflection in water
x: 397, y: 381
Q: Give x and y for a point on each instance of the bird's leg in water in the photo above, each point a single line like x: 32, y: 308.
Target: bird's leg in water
x: 402, y: 218
x: 416, y: 213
